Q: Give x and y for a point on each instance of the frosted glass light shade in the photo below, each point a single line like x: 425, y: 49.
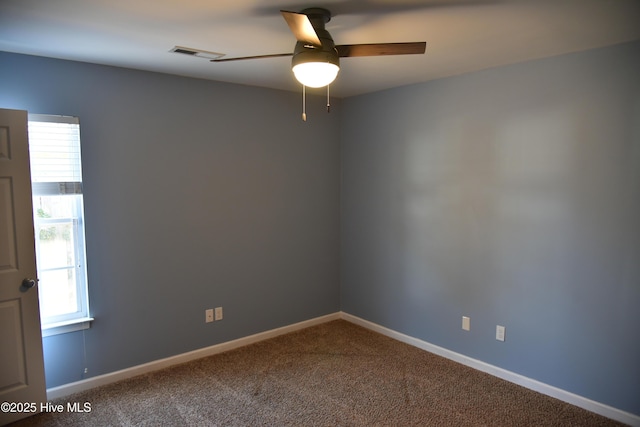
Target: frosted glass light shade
x: 316, y: 74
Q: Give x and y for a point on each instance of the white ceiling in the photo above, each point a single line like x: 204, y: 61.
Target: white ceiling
x: 461, y: 35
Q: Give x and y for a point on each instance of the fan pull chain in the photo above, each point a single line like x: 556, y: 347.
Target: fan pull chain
x: 304, y: 103
x: 328, y: 101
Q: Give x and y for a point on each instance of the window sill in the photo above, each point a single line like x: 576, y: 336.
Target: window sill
x: 66, y: 326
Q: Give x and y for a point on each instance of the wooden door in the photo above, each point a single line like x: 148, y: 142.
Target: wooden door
x: 22, y: 383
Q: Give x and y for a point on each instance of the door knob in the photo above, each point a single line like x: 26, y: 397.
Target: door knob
x: 28, y: 284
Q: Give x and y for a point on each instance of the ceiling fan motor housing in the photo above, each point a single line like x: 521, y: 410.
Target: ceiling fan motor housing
x: 305, y: 52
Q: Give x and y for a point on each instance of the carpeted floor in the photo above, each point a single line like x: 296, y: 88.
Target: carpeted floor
x: 334, y: 374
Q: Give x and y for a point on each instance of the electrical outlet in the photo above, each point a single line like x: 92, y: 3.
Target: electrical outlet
x: 218, y: 313
x: 466, y: 323
x: 500, y: 333
x: 208, y: 315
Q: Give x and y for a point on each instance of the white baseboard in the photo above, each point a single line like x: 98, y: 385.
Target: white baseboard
x: 89, y: 383
x: 565, y: 396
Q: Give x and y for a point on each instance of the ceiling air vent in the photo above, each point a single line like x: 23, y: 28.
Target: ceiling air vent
x: 195, y: 52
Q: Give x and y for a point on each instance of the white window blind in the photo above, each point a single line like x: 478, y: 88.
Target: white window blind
x: 54, y: 149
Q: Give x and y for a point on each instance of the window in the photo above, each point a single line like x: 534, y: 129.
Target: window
x: 58, y: 214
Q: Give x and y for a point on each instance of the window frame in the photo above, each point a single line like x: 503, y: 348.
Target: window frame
x: 80, y: 319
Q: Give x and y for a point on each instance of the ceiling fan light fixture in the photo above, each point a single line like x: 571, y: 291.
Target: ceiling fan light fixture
x: 316, y: 74
x: 316, y: 65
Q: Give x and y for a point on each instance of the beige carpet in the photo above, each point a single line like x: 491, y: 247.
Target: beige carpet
x: 334, y: 374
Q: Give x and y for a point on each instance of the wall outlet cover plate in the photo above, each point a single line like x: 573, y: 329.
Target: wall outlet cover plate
x: 466, y: 323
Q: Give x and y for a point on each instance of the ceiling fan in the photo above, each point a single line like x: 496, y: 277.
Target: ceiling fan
x: 316, y: 58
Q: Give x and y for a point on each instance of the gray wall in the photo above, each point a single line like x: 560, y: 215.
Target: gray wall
x: 511, y: 196
x: 197, y: 194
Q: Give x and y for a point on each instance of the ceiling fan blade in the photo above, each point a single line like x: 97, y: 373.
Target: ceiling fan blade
x: 301, y: 27
x: 381, y: 49
x: 241, y: 58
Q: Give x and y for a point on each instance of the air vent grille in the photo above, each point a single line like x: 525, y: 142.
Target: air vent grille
x: 185, y: 51
x: 196, y: 52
